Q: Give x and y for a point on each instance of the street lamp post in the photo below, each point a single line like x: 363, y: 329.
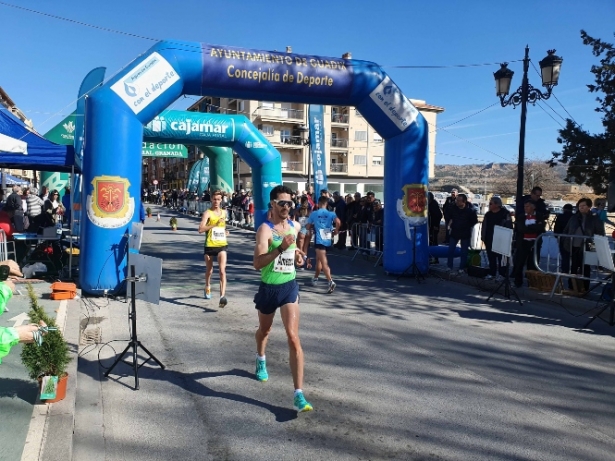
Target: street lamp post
x: 305, y: 137
x: 550, y: 69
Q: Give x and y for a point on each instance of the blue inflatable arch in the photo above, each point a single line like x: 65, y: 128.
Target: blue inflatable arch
x: 116, y: 113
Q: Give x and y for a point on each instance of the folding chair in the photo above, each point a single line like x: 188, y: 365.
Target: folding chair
x: 5, y: 246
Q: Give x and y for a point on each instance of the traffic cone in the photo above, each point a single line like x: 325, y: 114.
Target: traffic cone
x: 158, y: 218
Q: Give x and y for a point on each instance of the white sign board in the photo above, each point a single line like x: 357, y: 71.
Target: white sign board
x: 502, y: 241
x: 144, y: 83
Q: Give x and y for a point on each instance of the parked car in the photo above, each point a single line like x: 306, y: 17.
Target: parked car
x: 511, y: 209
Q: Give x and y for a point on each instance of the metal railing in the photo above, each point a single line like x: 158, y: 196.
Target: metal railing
x: 339, y: 142
x: 339, y: 118
x: 367, y: 239
x: 569, y: 256
x: 292, y: 166
x: 338, y: 167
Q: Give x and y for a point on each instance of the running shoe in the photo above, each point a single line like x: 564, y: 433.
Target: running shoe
x: 207, y: 293
x: 223, y: 302
x: 332, y: 286
x: 300, y: 404
x: 261, y: 370
x: 314, y: 282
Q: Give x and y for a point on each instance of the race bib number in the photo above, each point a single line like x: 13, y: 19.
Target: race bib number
x: 218, y: 234
x: 325, y: 234
x: 285, y: 263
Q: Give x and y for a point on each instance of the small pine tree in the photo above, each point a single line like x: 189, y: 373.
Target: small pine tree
x: 53, y: 356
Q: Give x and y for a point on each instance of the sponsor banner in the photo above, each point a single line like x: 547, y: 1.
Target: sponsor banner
x: 64, y: 132
x: 159, y: 149
x: 260, y: 71
x: 203, y: 181
x: 194, y: 176
x: 146, y: 82
x: 394, y: 103
x: 190, y: 126
x: 317, y: 146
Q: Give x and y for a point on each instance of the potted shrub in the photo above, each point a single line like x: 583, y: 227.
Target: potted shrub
x: 148, y: 211
x: 173, y: 223
x: 52, y: 357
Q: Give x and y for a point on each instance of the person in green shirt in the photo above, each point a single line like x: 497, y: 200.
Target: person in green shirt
x: 10, y: 336
x: 275, y: 255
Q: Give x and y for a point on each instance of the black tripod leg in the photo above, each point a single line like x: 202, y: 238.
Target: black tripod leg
x: 119, y: 358
x: 496, y: 289
x: 135, y: 364
x: 612, y: 306
x: 151, y: 355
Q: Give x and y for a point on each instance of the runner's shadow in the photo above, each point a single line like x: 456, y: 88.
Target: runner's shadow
x: 191, y: 304
x: 190, y: 382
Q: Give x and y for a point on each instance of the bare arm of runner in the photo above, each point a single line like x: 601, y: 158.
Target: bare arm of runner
x: 203, y: 227
x: 262, y: 257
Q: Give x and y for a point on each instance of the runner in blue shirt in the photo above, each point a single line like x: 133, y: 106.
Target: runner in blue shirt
x: 321, y: 222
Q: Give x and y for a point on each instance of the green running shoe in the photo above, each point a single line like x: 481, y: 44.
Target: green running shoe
x: 261, y: 370
x: 300, y: 404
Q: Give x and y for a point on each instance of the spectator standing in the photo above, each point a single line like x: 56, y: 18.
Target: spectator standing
x: 52, y: 209
x: 435, y: 217
x: 561, y: 221
x: 462, y: 220
x: 448, y: 208
x: 14, y: 207
x: 378, y: 222
x: 601, y: 212
x: 35, y: 209
x: 496, y: 216
x: 339, y: 206
x: 44, y: 193
x: 583, y: 224
x: 68, y: 208
x: 528, y: 228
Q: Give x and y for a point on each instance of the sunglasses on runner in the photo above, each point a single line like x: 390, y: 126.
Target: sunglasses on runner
x: 286, y: 203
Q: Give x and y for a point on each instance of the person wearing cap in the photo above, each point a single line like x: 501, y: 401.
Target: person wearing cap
x: 448, y: 209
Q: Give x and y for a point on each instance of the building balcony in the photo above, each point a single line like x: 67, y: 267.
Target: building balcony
x: 338, y: 168
x: 290, y: 142
x: 339, y: 119
x: 278, y: 114
x: 292, y: 166
x: 339, y: 142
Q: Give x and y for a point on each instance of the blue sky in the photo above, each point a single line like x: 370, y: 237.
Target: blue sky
x: 43, y: 59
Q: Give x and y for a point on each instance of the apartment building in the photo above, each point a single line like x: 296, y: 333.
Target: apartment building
x: 354, y: 149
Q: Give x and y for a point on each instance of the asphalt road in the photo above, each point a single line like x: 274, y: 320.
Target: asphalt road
x: 394, y: 369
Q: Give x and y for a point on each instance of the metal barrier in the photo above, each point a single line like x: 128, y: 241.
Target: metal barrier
x: 569, y: 256
x: 367, y: 239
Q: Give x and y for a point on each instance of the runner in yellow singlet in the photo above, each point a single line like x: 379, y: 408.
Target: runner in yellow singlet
x: 213, y: 224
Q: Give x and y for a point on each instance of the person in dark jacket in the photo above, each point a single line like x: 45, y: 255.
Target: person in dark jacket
x: 561, y: 221
x: 448, y: 207
x: 528, y: 227
x: 14, y: 207
x: 496, y: 216
x: 541, y: 210
x: 460, y: 224
x: 339, y: 206
x: 583, y: 224
x: 434, y: 217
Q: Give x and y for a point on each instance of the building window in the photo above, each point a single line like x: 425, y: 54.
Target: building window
x: 376, y: 160
x: 360, y: 135
x: 285, y: 136
x: 267, y: 130
x: 377, y: 137
x: 360, y: 160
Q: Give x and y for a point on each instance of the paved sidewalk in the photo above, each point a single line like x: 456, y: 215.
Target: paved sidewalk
x: 395, y: 370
